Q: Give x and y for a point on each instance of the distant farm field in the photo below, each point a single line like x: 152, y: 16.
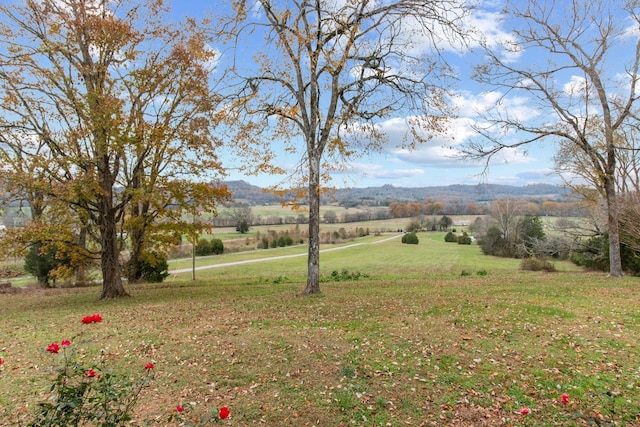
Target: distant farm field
x: 382, y: 255
x: 434, y: 334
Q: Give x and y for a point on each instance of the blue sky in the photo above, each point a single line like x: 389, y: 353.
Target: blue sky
x: 435, y: 163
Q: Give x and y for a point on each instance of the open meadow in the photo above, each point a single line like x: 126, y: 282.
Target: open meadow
x: 434, y: 334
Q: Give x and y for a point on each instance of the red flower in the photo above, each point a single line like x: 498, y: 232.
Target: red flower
x: 94, y: 318
x: 564, y: 399
x: 224, y: 412
x: 179, y: 408
x: 65, y: 343
x: 524, y: 410
x: 53, y: 348
x: 149, y: 365
x: 91, y: 373
x: 1, y: 361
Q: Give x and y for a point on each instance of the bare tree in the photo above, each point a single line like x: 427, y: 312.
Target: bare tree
x: 628, y: 165
x: 628, y: 158
x: 242, y: 217
x: 328, y: 74
x: 569, y: 85
x: 505, y: 213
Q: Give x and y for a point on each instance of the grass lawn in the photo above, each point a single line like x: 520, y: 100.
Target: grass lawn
x: 416, y: 343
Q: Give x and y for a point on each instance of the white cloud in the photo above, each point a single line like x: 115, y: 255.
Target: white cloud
x: 379, y: 171
x: 485, y: 28
x: 517, y: 108
x: 576, y: 86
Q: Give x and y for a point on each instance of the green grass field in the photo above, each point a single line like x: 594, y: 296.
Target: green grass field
x: 436, y: 335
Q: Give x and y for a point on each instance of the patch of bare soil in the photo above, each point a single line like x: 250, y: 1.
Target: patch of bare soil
x: 6, y: 288
x: 477, y: 416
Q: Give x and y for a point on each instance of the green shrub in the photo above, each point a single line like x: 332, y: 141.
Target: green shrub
x: 450, y: 237
x: 493, y: 243
x: 594, y: 255
x: 203, y: 247
x: 343, y: 275
x: 154, y: 267
x: 464, y: 239
x: 243, y: 226
x: 265, y: 242
x: 410, y: 239
x: 41, y: 261
x: 206, y: 247
x: 217, y: 247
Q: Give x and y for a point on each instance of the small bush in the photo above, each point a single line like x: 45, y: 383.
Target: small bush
x: 154, y: 267
x: 203, y: 247
x: 344, y: 275
x: 265, y: 243
x: 465, y: 239
x: 482, y: 273
x: 450, y: 237
x: 206, y: 247
x: 410, y: 239
x: 217, y: 247
x: 537, y: 264
x: 88, y: 394
x: 465, y: 273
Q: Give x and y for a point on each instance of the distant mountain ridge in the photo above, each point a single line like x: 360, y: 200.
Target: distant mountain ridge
x: 243, y: 192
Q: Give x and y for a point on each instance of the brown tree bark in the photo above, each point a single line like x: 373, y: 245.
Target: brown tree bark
x: 313, y: 263
x: 112, y: 286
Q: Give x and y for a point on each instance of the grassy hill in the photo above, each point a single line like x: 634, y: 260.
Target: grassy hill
x: 417, y: 342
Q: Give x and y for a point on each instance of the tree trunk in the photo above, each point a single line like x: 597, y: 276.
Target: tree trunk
x: 313, y: 274
x: 110, y: 258
x: 134, y: 270
x: 136, y: 236
x: 615, y: 259
x: 81, y: 270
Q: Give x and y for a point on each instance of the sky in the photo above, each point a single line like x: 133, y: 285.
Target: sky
x: 435, y: 163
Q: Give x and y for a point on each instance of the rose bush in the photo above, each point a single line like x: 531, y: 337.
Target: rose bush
x: 93, y: 395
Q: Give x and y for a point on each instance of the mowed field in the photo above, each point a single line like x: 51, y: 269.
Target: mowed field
x: 434, y: 334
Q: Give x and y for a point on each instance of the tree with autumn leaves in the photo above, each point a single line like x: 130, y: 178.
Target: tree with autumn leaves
x: 107, y: 126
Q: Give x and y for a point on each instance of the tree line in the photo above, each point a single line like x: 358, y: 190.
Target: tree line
x: 434, y: 207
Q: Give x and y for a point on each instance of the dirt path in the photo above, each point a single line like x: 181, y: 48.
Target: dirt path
x: 251, y: 261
